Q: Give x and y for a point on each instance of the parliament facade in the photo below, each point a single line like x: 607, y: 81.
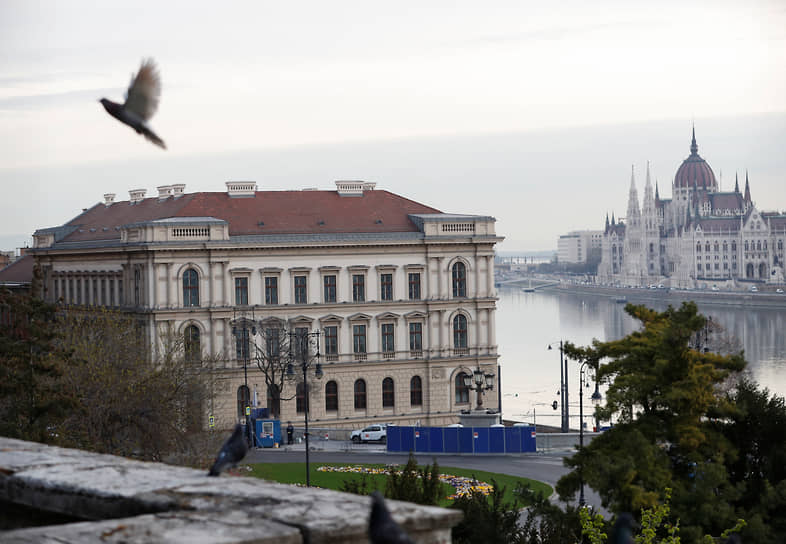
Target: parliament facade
x: 700, y: 236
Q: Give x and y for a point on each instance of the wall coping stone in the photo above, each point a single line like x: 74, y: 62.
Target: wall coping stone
x: 135, y: 501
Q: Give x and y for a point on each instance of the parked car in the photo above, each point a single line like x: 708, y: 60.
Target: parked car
x: 754, y: 289
x: 779, y: 291
x: 372, y: 433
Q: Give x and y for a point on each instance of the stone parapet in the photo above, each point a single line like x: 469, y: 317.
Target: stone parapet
x: 133, y: 501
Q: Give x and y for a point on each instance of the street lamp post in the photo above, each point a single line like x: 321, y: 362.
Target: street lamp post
x: 243, y: 343
x: 563, y: 387
x: 480, y: 382
x: 302, y: 342
x: 596, y: 398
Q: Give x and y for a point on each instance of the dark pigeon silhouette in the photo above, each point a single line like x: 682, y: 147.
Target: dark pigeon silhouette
x: 382, y: 529
x: 141, y: 102
x: 232, y: 452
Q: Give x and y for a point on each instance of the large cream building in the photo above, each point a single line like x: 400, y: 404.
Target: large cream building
x: 401, y: 293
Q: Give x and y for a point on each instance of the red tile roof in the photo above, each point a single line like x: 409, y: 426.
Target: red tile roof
x: 268, y: 212
x: 19, y: 271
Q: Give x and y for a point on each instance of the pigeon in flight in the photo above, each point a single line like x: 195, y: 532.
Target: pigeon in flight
x: 141, y: 102
x: 382, y: 528
x: 232, y: 452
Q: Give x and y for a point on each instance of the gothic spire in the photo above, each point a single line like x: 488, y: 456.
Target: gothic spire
x: 657, y: 197
x: 747, y: 188
x: 736, y: 183
x: 694, y: 149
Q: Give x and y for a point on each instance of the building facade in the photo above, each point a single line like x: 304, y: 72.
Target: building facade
x: 401, y: 293
x: 700, y: 236
x: 577, y: 246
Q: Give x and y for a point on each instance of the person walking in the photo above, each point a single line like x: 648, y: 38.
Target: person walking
x: 290, y: 433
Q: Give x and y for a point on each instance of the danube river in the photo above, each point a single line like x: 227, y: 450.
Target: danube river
x: 528, y: 322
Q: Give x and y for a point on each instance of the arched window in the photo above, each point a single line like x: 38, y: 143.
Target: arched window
x: 707, y: 247
x: 243, y: 400
x: 416, y: 391
x: 300, y: 398
x: 698, y: 247
x: 717, y: 247
x: 758, y: 245
x: 331, y: 396
x: 360, y: 394
x: 746, y: 245
x: 388, y: 393
x: 460, y: 331
x: 462, y: 391
x: 192, y: 346
x: 459, y: 280
x: 734, y: 246
x: 190, y: 288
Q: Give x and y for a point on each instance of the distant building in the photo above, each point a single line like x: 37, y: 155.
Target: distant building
x: 700, y: 234
x: 18, y: 275
x: 403, y: 293
x: 576, y: 246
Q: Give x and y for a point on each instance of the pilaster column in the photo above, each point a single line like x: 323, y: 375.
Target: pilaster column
x: 492, y: 330
x: 490, y: 275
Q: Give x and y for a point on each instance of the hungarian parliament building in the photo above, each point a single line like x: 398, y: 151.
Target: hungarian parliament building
x: 698, y: 236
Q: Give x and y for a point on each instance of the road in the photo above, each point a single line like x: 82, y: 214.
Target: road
x: 546, y: 468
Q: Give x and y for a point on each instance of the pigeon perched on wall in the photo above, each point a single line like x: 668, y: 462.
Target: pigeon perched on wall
x: 141, y: 102
x: 232, y: 452
x: 382, y: 528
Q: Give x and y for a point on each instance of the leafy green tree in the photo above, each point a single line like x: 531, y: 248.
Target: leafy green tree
x: 30, y: 366
x: 662, y: 390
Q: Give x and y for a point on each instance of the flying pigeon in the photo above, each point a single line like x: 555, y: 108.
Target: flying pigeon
x: 382, y: 528
x: 141, y: 102
x: 232, y: 452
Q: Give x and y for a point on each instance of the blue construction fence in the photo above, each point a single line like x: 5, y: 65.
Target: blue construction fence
x: 518, y: 439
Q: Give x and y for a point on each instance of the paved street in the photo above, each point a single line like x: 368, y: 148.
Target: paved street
x: 543, y: 467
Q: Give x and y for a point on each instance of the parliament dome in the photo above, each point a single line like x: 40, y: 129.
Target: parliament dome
x: 695, y: 169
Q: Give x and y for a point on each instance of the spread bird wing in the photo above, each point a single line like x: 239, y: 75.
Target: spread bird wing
x: 144, y: 91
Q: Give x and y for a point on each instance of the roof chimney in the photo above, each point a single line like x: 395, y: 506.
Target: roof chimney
x: 164, y: 192
x: 136, y: 195
x: 109, y: 198
x: 241, y: 188
x: 178, y: 189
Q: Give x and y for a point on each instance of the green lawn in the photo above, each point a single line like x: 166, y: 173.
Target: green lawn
x: 295, y: 473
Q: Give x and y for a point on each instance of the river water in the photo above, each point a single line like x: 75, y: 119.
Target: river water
x: 528, y: 322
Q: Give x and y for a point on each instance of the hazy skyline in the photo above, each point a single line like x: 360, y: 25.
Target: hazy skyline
x: 493, y: 109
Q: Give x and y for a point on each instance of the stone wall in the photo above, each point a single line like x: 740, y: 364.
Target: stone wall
x: 132, y: 501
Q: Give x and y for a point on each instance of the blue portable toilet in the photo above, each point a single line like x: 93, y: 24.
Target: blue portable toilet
x: 267, y: 432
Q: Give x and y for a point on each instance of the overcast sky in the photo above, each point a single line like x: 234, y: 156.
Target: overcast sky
x: 531, y: 112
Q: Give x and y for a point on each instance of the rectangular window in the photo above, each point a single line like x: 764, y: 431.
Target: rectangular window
x: 271, y: 290
x: 120, y: 292
x: 301, y: 343
x: 104, y: 298
x: 241, y: 291
x: 414, y: 286
x: 241, y: 344
x: 387, y: 338
x: 330, y: 288
x: 331, y: 340
x: 415, y: 336
x: 300, y: 290
x: 359, y: 338
x: 273, y: 342
x: 386, y: 287
x: 358, y: 287
x: 111, y: 292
